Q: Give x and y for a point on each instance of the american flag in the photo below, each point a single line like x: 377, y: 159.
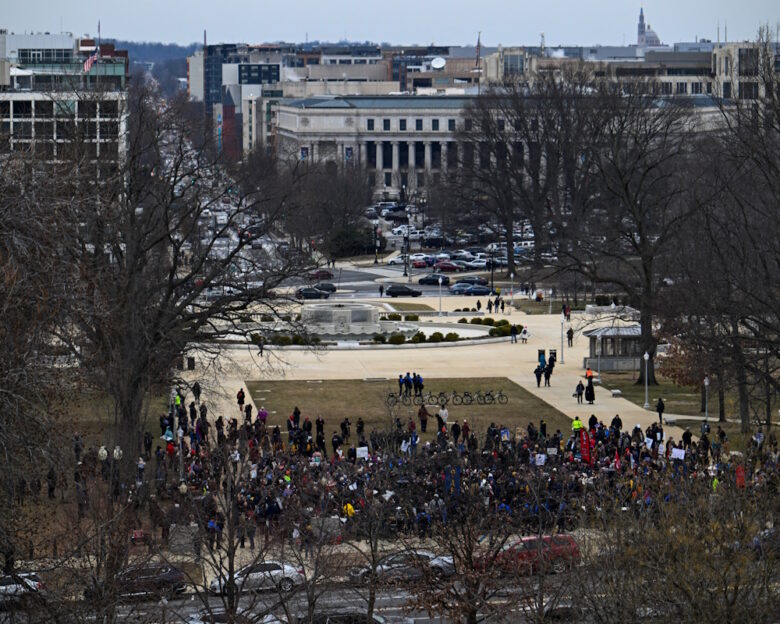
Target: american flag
x: 90, y: 61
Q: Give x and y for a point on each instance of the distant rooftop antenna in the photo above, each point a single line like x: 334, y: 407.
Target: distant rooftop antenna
x: 542, y: 44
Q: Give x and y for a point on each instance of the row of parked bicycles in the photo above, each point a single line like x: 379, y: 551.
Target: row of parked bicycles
x: 488, y: 397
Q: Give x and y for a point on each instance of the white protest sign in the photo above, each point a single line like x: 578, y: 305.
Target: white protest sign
x: 552, y: 451
x: 678, y: 453
x: 540, y: 459
x: 649, y: 442
x: 362, y: 452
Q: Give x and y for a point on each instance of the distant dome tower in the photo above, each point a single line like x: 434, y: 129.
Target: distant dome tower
x: 640, y: 30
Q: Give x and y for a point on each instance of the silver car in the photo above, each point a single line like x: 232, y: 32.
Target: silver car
x: 262, y: 575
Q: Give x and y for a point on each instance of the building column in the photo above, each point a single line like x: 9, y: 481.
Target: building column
x: 412, y: 165
x: 428, y: 160
x: 314, y: 151
x: 444, y: 150
x: 380, y: 164
x: 396, y: 165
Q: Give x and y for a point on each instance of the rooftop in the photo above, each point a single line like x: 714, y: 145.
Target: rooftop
x: 386, y: 101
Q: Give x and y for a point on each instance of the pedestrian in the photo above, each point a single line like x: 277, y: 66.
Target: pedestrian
x: 479, y: 305
x: 381, y: 290
x: 296, y: 415
x: 336, y: 442
x: 524, y: 335
x: 251, y: 529
x: 660, y: 407
x: 547, y: 374
x: 196, y: 392
x: 502, y: 308
x: 260, y: 346
x: 538, y: 374
x: 579, y: 391
x: 248, y: 413
x: 489, y: 306
x: 513, y: 333
x: 590, y: 392
x: 414, y: 383
x: 407, y: 384
x: 423, y: 414
x: 240, y: 397
x: 262, y: 415
x: 570, y: 336
x: 400, y: 384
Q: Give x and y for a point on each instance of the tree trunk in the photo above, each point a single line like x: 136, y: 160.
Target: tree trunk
x: 647, y: 345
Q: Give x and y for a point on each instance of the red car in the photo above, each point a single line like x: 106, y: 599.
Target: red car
x: 446, y: 266
x: 419, y: 264
x: 321, y: 274
x: 556, y: 553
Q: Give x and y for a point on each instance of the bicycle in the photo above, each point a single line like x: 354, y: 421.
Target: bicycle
x: 434, y: 399
x: 462, y: 399
x: 501, y: 398
x: 394, y: 399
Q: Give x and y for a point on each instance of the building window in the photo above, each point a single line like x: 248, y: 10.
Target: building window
x: 726, y: 90
x: 388, y: 178
x: 748, y: 90
x: 435, y: 125
x: 748, y: 62
x: 370, y: 125
x: 682, y: 88
x: 696, y: 88
x: 418, y: 124
x: 386, y: 125
x: 402, y: 125
x: 709, y: 88
x: 666, y: 88
x: 451, y: 125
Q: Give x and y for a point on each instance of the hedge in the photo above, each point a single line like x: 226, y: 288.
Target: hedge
x: 463, y: 320
x: 487, y: 321
x: 418, y: 338
x: 393, y: 317
x: 501, y: 322
x: 436, y: 337
x: 503, y: 330
x: 281, y: 340
x: 396, y: 339
x: 379, y: 338
x: 412, y: 317
x: 476, y: 321
x: 451, y: 337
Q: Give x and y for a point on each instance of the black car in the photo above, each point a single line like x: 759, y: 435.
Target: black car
x: 399, y: 290
x: 477, y: 291
x: 325, y: 287
x: 311, y: 293
x: 154, y: 580
x: 474, y: 280
x: 432, y: 279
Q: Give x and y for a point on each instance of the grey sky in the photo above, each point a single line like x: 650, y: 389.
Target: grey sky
x: 507, y: 22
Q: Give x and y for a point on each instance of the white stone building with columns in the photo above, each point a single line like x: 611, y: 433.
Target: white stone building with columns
x: 404, y: 142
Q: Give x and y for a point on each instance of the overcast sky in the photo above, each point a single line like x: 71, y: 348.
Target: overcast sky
x: 507, y: 22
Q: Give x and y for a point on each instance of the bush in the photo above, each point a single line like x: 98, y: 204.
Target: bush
x: 463, y: 320
x: 297, y: 339
x: 501, y: 322
x: 488, y: 321
x: 451, y: 337
x: 281, y: 340
x: 412, y: 317
x: 266, y: 318
x: 287, y: 318
x: 379, y: 338
x: 396, y: 339
x: 418, y: 338
x: 436, y: 337
x: 393, y: 317
x: 256, y: 338
x: 476, y: 321
x: 297, y: 317
x: 504, y: 330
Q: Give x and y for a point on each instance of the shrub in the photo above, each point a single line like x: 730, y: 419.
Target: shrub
x: 504, y: 330
x: 412, y: 317
x: 488, y: 321
x: 476, y: 321
x: 266, y: 318
x: 501, y: 322
x: 287, y: 318
x: 418, y: 338
x: 379, y: 338
x: 396, y: 339
x: 451, y: 337
x: 393, y: 317
x: 463, y: 320
x: 256, y: 338
x: 474, y: 310
x: 436, y: 337
x: 297, y: 317
x: 281, y: 340
x: 297, y: 339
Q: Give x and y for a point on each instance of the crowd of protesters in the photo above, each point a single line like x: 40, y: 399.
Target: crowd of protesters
x: 276, y: 467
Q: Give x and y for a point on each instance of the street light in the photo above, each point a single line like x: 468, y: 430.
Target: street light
x: 647, y: 359
x: 377, y: 231
x: 512, y: 292
x: 707, y: 398
x: 407, y: 268
x: 563, y: 357
x: 440, y: 280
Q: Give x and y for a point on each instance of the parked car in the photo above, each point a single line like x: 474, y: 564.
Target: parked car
x: 406, y: 566
x: 349, y: 617
x: 432, y: 279
x: 148, y: 581
x: 321, y: 274
x: 219, y: 615
x: 419, y: 264
x: 446, y: 266
x: 461, y: 254
x: 18, y: 587
x: 477, y: 263
x: 476, y: 290
x: 459, y: 288
x: 442, y: 255
x: 551, y: 553
x: 262, y: 575
x: 397, y: 260
x: 472, y: 280
x: 399, y: 290
x: 326, y: 287
x: 311, y: 293
x: 400, y: 230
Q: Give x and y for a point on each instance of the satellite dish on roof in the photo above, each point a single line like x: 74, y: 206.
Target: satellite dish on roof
x: 438, y: 63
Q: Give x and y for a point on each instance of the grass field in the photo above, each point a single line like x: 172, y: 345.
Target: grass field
x: 335, y: 400
x: 678, y: 399
x: 401, y: 306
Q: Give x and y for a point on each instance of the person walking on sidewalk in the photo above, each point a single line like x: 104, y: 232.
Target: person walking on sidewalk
x: 570, y: 336
x: 660, y: 407
x: 513, y: 334
x: 579, y: 391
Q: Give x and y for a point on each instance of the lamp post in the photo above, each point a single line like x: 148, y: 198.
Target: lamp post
x: 440, y: 280
x: 512, y: 292
x: 408, y: 269
x: 707, y: 398
x: 377, y: 231
x: 563, y: 357
x: 646, y: 357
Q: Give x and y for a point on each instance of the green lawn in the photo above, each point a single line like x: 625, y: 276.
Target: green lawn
x: 678, y: 399
x: 400, y: 306
x: 336, y: 399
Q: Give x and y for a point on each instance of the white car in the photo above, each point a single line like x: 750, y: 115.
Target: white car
x: 396, y: 260
x: 462, y: 254
x: 442, y: 256
x: 400, y: 230
x: 262, y: 575
x: 477, y: 263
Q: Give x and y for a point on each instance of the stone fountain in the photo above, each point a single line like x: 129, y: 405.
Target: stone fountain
x: 349, y: 321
